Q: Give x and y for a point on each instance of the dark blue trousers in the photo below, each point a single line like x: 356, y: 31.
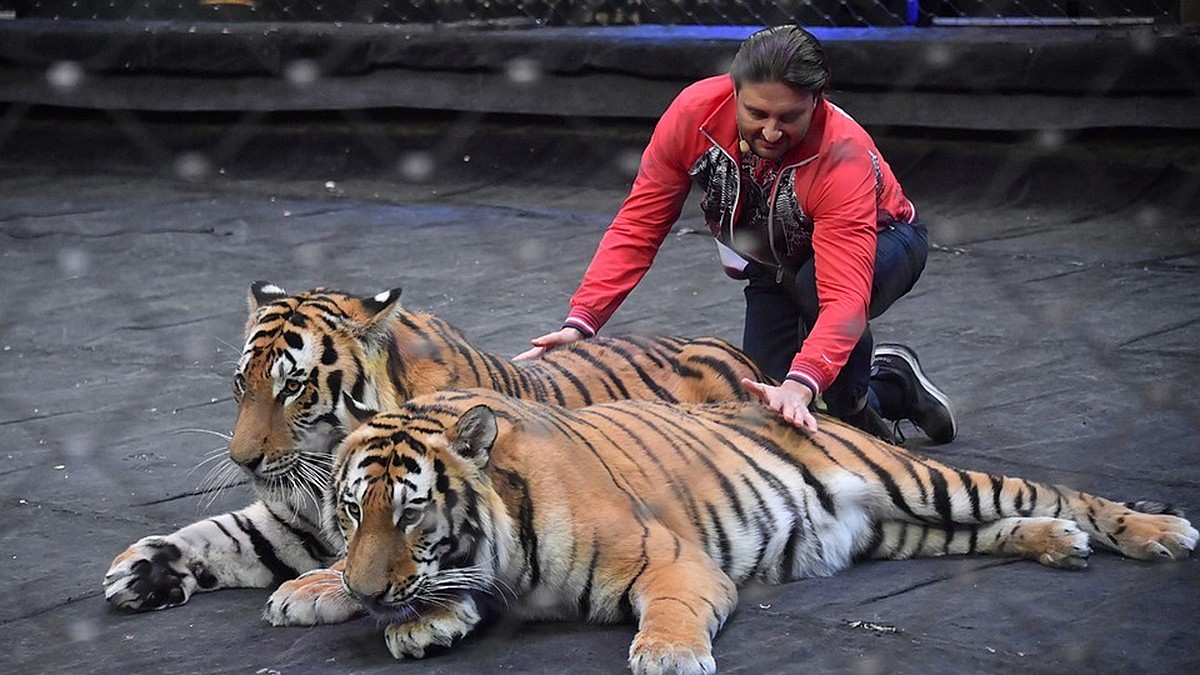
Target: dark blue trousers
x: 779, y: 315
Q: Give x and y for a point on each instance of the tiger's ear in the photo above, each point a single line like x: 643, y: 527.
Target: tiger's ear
x: 359, y: 412
x: 264, y: 293
x: 475, y: 434
x: 379, y: 309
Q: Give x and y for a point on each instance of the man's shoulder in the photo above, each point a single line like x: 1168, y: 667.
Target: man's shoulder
x: 705, y: 96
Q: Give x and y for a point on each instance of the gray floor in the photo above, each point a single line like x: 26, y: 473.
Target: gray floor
x: 1060, y: 310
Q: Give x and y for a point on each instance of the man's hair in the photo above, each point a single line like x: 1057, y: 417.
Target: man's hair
x: 787, y: 54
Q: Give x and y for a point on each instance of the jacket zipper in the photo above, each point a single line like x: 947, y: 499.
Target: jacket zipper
x: 771, y: 213
x: 737, y: 193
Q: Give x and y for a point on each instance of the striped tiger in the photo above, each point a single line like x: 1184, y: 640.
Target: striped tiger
x: 467, y: 500
x: 310, y: 358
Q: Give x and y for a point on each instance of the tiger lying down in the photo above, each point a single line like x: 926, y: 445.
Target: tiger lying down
x: 469, y: 499
x: 306, y: 356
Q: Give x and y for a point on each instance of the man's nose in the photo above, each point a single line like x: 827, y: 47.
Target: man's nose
x: 771, y: 133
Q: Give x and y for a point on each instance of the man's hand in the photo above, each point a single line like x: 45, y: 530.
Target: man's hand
x: 549, y: 341
x: 790, y: 399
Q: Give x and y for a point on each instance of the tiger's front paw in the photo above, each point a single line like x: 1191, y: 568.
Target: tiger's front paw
x: 154, y: 573
x: 313, y: 598
x: 439, y: 627
x: 654, y: 655
x: 1064, y: 545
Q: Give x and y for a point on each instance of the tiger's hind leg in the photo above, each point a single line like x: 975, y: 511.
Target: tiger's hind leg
x: 920, y: 490
x: 315, y: 597
x: 1054, y: 542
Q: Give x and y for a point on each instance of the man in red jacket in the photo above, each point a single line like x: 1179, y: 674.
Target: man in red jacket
x: 804, y: 207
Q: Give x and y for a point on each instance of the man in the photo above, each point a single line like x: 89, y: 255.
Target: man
x: 805, y: 208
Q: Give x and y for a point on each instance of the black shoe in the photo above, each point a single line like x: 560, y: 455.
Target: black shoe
x: 869, y: 421
x: 924, y: 404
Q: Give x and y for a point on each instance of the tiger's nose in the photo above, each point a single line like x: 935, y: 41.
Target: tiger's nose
x: 250, y: 464
x: 368, y: 598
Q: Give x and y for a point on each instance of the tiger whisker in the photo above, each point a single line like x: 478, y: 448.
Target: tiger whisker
x: 196, y: 430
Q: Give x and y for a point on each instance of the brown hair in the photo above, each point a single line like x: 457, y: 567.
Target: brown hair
x: 787, y: 54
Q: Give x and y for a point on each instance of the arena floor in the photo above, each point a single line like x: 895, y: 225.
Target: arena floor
x: 1059, y: 309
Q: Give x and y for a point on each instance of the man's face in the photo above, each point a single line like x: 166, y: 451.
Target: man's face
x: 773, y: 117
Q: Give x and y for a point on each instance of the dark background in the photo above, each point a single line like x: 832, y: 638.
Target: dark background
x: 1059, y: 310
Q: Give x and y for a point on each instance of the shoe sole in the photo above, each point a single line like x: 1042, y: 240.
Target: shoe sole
x: 901, y: 352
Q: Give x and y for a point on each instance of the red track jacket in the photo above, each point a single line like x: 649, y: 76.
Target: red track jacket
x: 833, y: 191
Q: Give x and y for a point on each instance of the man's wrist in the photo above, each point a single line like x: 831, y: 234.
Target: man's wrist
x: 812, y: 388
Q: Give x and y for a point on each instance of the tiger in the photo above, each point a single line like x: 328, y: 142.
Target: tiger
x: 468, y: 503
x: 311, y: 357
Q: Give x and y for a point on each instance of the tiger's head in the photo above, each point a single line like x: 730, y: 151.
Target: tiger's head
x: 304, y: 358
x: 411, y: 501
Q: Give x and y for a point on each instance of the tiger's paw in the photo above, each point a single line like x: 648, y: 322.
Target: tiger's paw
x: 1064, y: 545
x: 1156, y: 537
x: 652, y: 655
x: 154, y: 573
x: 313, y: 598
x: 438, y: 628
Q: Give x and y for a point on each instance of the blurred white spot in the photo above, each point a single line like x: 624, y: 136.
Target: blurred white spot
x: 83, y: 630
x: 80, y: 446
x: 870, y: 665
x: 308, y: 255
x: 301, y: 73
x: 531, y: 251
x: 629, y: 161
x: 1143, y: 40
x: 1159, y: 394
x: 937, y: 55
x: 194, y: 347
x: 523, y: 71
x: 192, y: 165
x: 466, y: 158
x: 417, y: 166
x: 22, y: 502
x: 60, y: 467
x: 1051, y: 139
x: 64, y: 75
x: 1149, y: 216
x: 73, y: 262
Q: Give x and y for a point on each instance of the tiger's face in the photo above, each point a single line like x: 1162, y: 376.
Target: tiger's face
x: 405, y: 500
x: 302, y: 357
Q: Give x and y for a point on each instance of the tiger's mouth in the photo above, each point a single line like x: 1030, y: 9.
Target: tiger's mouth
x: 399, y: 612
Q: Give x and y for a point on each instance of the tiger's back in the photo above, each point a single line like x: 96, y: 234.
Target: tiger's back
x: 433, y: 356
